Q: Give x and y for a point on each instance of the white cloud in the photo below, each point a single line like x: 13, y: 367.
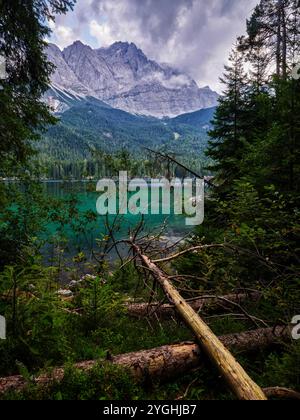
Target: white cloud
x: 52, y: 25
x: 102, y: 32
x: 65, y: 36
x: 174, y: 82
x: 62, y: 35
x: 193, y: 35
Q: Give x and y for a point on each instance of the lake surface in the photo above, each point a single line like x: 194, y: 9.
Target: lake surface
x: 87, y: 239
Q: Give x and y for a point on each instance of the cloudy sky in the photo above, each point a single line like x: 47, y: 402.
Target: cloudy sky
x: 193, y: 35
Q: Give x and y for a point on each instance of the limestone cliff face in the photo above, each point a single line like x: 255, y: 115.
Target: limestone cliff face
x: 123, y: 77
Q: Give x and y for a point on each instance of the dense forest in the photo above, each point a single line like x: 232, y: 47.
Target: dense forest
x: 119, y: 331
x: 89, y: 137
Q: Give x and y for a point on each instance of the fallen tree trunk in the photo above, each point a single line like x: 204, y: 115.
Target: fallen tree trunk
x: 163, y: 363
x: 236, y: 377
x: 167, y: 362
x: 207, y: 305
x: 282, y: 393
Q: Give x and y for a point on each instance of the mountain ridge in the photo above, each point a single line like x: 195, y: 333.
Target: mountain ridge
x: 89, y: 124
x: 122, y: 76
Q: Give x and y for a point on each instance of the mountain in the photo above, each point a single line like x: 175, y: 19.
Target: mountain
x: 109, y: 100
x: 89, y: 124
x: 63, y: 75
x: 123, y: 77
x: 199, y: 119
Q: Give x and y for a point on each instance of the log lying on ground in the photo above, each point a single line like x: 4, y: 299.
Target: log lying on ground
x: 167, y: 362
x: 163, y: 363
x: 207, y: 305
x: 282, y: 393
x: 236, y: 377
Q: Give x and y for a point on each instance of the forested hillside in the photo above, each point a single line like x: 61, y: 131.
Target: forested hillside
x: 90, y: 127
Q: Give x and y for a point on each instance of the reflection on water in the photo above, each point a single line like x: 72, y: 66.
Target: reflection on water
x: 86, y: 236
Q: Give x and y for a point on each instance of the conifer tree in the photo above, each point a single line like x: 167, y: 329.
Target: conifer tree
x: 228, y: 134
x: 24, y: 25
x: 275, y: 26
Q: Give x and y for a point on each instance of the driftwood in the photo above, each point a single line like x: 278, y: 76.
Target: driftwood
x: 236, y: 377
x: 163, y: 363
x: 207, y: 305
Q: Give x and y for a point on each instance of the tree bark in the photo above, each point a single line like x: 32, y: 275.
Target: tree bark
x: 207, y: 305
x: 284, y: 45
x: 282, y: 393
x: 278, y: 41
x: 238, y: 380
x: 163, y: 363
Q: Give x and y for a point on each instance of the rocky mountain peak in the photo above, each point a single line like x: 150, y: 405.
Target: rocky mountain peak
x: 123, y: 77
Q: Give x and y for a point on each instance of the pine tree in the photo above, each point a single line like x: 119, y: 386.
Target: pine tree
x: 274, y: 156
x: 274, y: 26
x: 24, y: 25
x: 228, y: 134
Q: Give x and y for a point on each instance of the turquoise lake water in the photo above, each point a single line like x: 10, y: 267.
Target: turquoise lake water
x: 87, y: 198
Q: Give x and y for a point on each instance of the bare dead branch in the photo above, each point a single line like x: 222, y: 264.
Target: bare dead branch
x: 188, y: 251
